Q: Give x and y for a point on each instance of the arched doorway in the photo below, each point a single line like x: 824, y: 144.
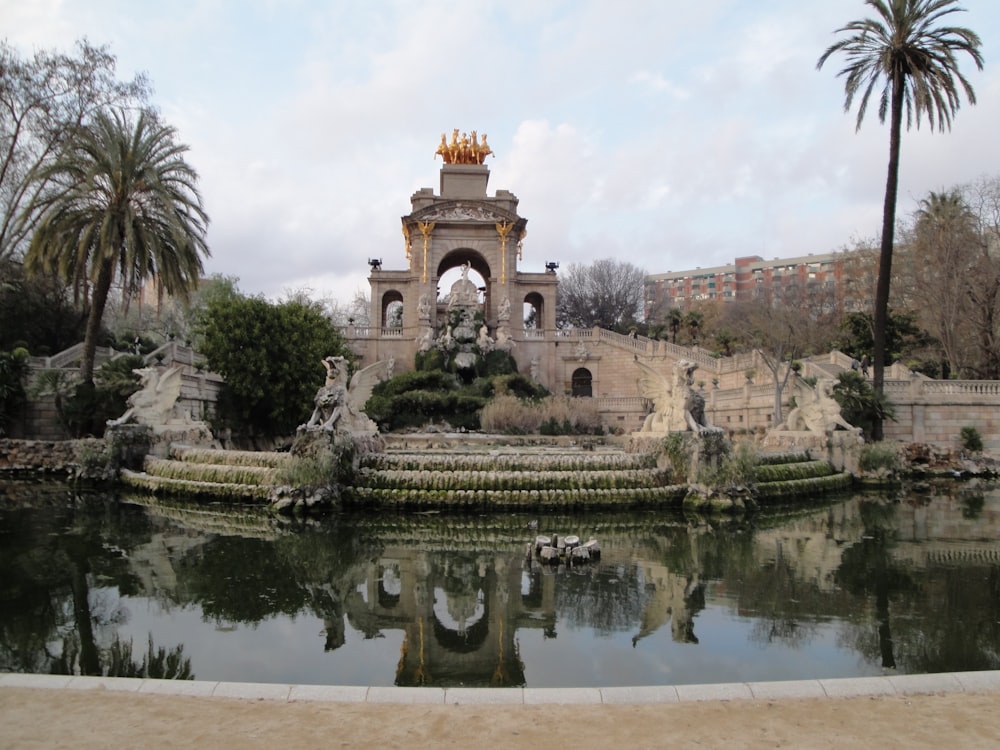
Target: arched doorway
x: 583, y: 383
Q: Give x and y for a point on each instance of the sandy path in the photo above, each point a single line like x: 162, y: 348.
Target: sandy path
x: 32, y: 718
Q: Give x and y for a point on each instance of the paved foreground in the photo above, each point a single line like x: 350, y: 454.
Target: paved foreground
x: 912, y: 711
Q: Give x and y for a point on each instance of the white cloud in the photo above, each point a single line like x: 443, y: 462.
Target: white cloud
x: 673, y: 134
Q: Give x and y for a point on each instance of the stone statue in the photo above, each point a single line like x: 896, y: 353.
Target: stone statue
x: 154, y: 403
x: 815, y: 409
x: 504, y: 342
x: 504, y: 313
x: 424, y: 308
x: 156, y: 406
x: 677, y: 407
x: 484, y: 341
x: 425, y: 340
x: 340, y: 404
x: 463, y: 292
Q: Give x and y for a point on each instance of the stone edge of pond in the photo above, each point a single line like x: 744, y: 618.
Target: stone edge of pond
x: 945, y: 682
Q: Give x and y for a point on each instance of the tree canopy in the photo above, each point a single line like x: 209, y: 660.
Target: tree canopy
x: 607, y: 293
x: 270, y: 355
x: 123, y: 204
x: 44, y: 100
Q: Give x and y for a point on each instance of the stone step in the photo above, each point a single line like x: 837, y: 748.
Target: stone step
x: 514, y: 480
x: 811, y: 486
x: 269, y: 459
x: 414, y: 498
x: 791, y: 471
x: 522, y: 460
x: 209, y: 472
x: 233, y: 492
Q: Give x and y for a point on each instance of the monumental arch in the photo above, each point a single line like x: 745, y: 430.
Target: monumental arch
x: 462, y: 227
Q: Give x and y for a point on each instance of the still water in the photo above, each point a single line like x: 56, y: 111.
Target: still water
x: 866, y: 585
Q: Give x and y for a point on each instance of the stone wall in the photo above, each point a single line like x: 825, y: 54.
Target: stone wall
x: 58, y: 457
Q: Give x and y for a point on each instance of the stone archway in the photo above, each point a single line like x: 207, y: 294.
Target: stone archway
x: 477, y: 267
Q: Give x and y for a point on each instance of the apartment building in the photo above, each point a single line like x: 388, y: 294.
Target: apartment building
x: 840, y: 276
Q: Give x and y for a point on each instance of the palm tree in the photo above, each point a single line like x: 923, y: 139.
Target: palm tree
x: 693, y: 321
x: 675, y: 320
x: 126, y: 207
x: 906, y: 52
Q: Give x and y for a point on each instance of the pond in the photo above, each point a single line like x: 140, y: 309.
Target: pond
x: 94, y: 583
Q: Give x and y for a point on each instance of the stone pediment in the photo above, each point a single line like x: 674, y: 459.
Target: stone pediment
x: 462, y: 211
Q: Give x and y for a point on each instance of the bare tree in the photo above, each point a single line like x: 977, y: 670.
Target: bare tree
x: 356, y: 312
x: 607, y: 293
x: 43, y: 101
x: 783, y: 329
x: 982, y: 198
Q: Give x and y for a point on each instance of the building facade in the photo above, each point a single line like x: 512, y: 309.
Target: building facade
x: 840, y: 276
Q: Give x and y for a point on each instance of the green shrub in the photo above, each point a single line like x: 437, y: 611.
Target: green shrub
x: 734, y: 469
x: 13, y: 373
x: 418, y: 398
x: 878, y: 457
x: 971, y: 439
x: 860, y: 405
x: 85, y: 408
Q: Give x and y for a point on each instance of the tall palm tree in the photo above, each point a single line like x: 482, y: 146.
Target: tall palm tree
x: 905, y: 51
x: 675, y: 320
x: 126, y: 207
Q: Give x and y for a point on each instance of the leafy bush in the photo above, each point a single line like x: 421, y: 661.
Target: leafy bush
x: 971, y: 439
x: 84, y: 408
x: 270, y: 356
x: 860, y: 405
x: 735, y: 469
x: 878, y: 457
x: 417, y: 398
x: 13, y: 373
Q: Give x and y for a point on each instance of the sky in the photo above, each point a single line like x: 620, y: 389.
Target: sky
x: 667, y: 133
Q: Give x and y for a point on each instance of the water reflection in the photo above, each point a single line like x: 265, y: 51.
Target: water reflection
x: 94, y: 584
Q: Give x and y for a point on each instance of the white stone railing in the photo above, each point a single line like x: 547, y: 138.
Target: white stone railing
x: 961, y: 387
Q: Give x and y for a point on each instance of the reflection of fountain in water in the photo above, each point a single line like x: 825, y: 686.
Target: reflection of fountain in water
x: 459, y: 610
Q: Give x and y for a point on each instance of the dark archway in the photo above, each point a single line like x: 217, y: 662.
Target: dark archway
x: 583, y: 383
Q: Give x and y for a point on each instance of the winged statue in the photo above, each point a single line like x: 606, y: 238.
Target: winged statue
x: 339, y: 403
x: 154, y: 402
x: 677, y: 407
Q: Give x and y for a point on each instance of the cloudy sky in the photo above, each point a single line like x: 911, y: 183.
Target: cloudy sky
x: 669, y: 133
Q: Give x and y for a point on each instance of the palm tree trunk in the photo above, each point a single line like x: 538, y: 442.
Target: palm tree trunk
x: 98, y: 300
x: 881, y: 314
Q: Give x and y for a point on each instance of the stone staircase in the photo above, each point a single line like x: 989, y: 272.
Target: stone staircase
x: 796, y: 475
x: 482, y: 472
x: 508, y: 473
x: 238, y: 476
